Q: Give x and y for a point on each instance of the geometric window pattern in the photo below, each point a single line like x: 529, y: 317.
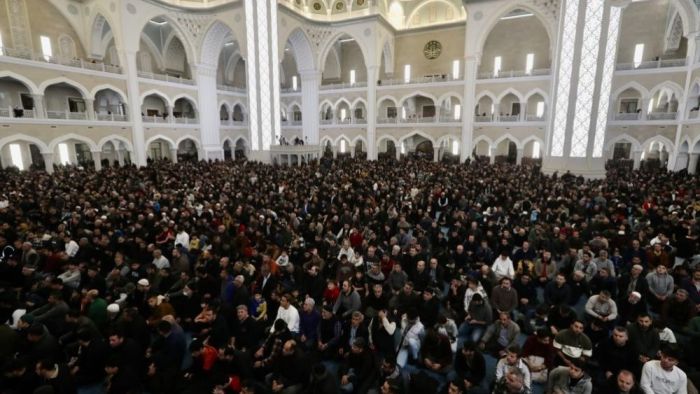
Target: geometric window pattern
x: 264, y: 75
x: 586, y: 77
x: 252, y: 71
x: 606, y: 81
x: 566, y: 59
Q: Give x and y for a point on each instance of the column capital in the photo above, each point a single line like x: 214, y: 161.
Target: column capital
x: 207, y: 70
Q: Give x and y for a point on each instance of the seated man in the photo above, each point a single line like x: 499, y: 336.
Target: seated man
x: 513, y: 382
x: 570, y: 379
x: 469, y: 366
x: 663, y: 376
x: 539, y: 354
x: 512, y: 360
x: 622, y: 383
x: 572, y: 343
x: 601, y: 307
x: 501, y: 334
x: 616, y: 353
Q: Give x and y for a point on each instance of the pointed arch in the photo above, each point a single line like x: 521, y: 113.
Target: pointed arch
x: 548, y: 24
x: 33, y: 88
x: 388, y: 137
x: 459, y: 10
x: 419, y: 133
x: 160, y: 137
x: 358, y: 100
x: 448, y: 95
x: 73, y: 136
x: 241, y: 138
x: 446, y: 137
x: 301, y: 49
x: 114, y: 137
x: 105, y: 86
x: 79, y: 87
x: 484, y: 138
x: 644, y: 92
x: 225, y: 104
x: 390, y: 98
x: 187, y: 97
x: 658, y: 138
x: 194, y: 139
x: 507, y: 92
x: 509, y: 137
x: 325, y: 140
x: 636, y: 146
x: 324, y: 102
x: 158, y: 93
x: 341, y: 137
x: 535, y: 139
x: 212, y: 43
x: 359, y: 138
x: 418, y: 93
x: 486, y: 93
x: 535, y: 91
x: 330, y: 42
x: 342, y: 100
x: 43, y: 148
x: 179, y: 32
x: 670, y: 85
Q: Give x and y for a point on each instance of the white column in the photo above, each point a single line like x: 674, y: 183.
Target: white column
x: 492, y: 154
x: 470, y: 73
x: 134, y: 106
x: 436, y: 154
x: 48, y: 161
x: 173, y: 155
x: 519, y: 156
x: 372, y: 76
x: 335, y: 152
x: 692, y: 163
x: 170, y: 109
x: 581, y: 86
x: 398, y: 153
x: 636, y: 159
x: 208, y: 112
x: 39, y: 107
x: 97, y: 159
x: 90, y: 108
x: 310, y: 84
x: 263, y: 76
x: 352, y: 152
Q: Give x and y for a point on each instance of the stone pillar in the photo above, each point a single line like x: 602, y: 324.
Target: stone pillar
x: 170, y: 109
x: 310, y: 85
x: 693, y: 163
x: 352, y: 152
x: 581, y: 86
x: 492, y: 155
x: 263, y: 77
x: 90, y: 108
x: 134, y: 107
x: 97, y: 159
x: 48, y: 161
x: 372, y: 76
x: 436, y: 154
x: 471, y: 65
x: 335, y: 152
x: 173, y: 155
x: 39, y: 107
x: 519, y: 156
x: 398, y: 153
x: 208, y: 114
x: 636, y: 159
x: 644, y: 108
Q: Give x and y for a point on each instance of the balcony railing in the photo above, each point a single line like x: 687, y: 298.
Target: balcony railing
x: 508, y: 118
x: 290, y: 90
x: 344, y: 85
x: 66, y: 115
x: 419, y: 119
x: 292, y: 123
x: 628, y: 116
x: 185, y: 120
x: 154, y: 119
x: 534, y: 118
x: 417, y: 80
x: 112, y: 117
x: 229, y: 88
x: 651, y: 64
x: 165, y: 78
x: 693, y: 114
x: 227, y: 122
x: 10, y: 112
x: 79, y: 63
x: 662, y: 115
x: 514, y: 73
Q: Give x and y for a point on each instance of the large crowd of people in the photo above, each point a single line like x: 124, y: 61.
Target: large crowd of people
x: 348, y: 276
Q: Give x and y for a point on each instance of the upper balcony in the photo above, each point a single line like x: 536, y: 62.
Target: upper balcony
x: 77, y: 63
x: 651, y: 65
x: 540, y: 72
x: 166, y: 78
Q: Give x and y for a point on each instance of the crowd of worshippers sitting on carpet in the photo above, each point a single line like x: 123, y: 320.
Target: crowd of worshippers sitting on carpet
x: 348, y: 276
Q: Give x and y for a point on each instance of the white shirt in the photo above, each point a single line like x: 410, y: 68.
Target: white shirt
x: 502, y: 367
x: 72, y: 248
x: 161, y: 262
x: 183, y: 239
x: 503, y: 268
x: 656, y: 380
x: 290, y: 316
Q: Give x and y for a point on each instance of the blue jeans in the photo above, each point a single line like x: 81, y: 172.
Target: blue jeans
x: 469, y: 332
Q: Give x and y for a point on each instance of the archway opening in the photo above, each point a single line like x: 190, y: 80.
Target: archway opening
x: 16, y: 100
x: 64, y: 101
